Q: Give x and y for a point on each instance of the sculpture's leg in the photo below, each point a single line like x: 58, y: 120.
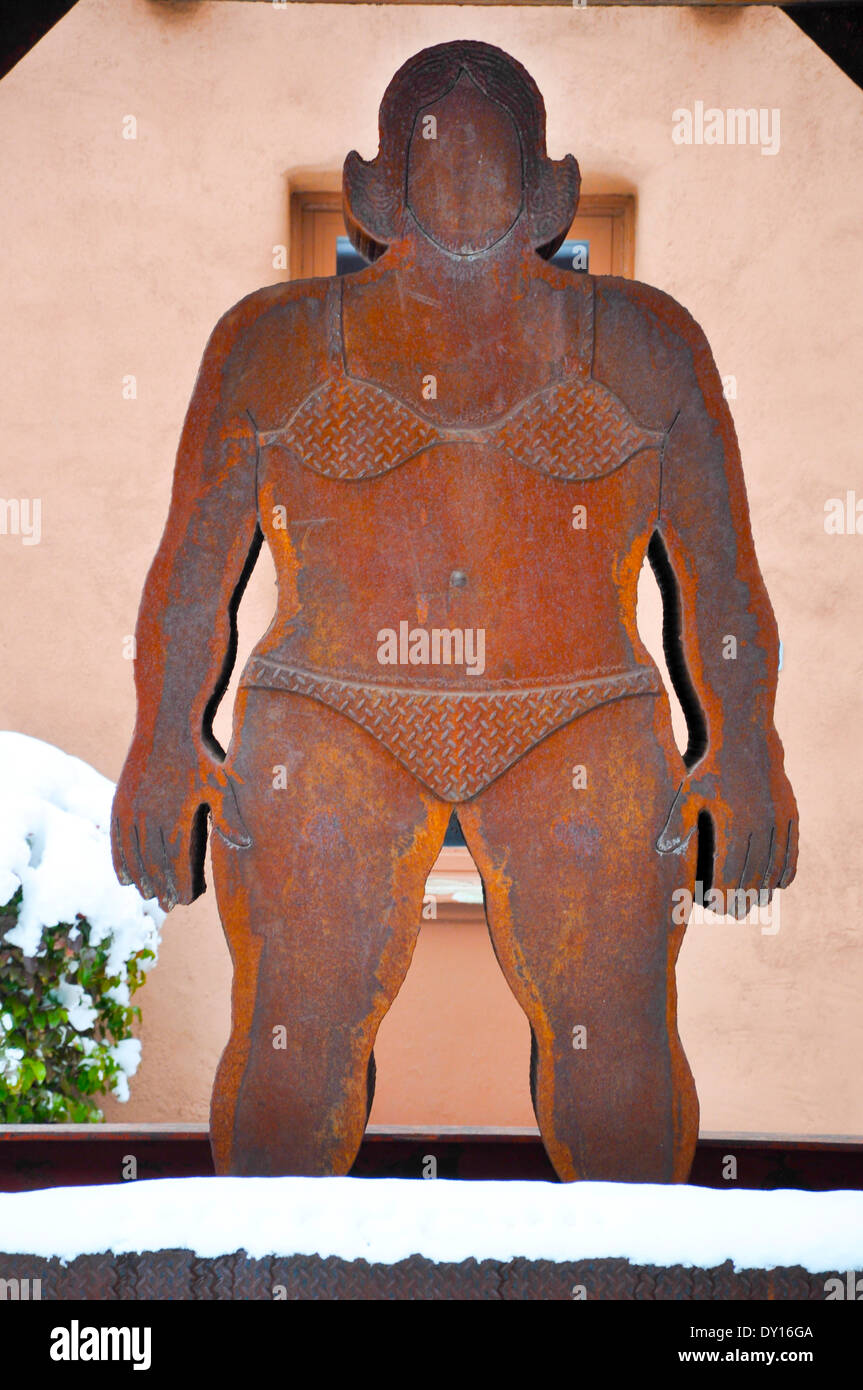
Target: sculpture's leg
x: 579, y: 906
x: 321, y: 916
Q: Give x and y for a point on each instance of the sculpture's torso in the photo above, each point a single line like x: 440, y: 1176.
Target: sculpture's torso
x: 513, y: 497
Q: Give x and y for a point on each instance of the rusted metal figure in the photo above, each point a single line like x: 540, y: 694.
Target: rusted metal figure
x: 459, y: 458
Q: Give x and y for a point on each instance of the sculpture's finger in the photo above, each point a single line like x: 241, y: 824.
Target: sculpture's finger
x: 171, y: 897
x: 680, y: 824
x: 226, y: 815
x: 744, y: 868
x: 788, y: 867
x: 751, y: 888
x: 176, y: 858
x: 141, y: 877
x: 121, y: 867
x: 156, y: 876
x: 765, y: 887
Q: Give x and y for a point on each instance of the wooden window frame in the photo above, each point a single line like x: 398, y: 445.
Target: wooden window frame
x: 303, y: 205
x: 620, y: 207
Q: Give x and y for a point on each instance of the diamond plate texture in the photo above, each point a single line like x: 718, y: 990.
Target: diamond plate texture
x: 456, y: 744
x: 179, y: 1275
x: 575, y: 431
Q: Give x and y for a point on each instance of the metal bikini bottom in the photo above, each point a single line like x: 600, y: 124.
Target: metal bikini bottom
x: 455, y: 742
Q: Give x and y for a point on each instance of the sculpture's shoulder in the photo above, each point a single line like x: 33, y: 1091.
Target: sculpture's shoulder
x: 278, y: 334
x: 648, y: 347
x: 291, y: 309
x: 651, y: 322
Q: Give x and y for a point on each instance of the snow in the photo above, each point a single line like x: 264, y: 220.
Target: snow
x: 127, y: 1054
x: 458, y: 890
x: 9, y: 1059
x: 75, y: 1000
x: 55, y: 813
x: 384, y: 1220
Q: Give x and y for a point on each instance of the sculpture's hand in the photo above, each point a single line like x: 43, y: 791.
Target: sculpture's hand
x: 155, y: 825
x: 754, y: 815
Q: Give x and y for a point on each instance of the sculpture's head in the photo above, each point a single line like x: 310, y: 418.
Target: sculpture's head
x: 462, y: 158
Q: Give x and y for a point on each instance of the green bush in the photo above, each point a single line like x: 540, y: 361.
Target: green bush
x: 50, y: 1069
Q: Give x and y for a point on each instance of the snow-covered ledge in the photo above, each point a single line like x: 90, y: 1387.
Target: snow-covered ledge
x: 383, y: 1221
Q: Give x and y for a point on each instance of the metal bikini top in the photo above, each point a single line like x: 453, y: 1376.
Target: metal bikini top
x: 576, y: 429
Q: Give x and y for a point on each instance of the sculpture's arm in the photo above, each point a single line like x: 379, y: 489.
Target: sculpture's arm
x: 721, y: 639
x: 185, y: 640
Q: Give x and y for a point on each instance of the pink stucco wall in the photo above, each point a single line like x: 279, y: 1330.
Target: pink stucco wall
x: 120, y: 255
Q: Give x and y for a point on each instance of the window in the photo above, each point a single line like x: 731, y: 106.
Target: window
x: 605, y: 225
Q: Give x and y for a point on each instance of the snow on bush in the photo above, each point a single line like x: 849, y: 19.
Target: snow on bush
x: 74, y: 942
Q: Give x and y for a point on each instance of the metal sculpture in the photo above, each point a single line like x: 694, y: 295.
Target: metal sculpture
x: 459, y: 458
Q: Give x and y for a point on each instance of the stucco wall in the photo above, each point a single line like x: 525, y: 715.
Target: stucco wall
x: 120, y: 255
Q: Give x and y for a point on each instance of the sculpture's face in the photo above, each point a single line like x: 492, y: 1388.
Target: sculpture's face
x: 464, y: 178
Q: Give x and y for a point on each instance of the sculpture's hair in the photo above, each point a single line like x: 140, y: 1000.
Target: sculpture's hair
x: 374, y: 190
